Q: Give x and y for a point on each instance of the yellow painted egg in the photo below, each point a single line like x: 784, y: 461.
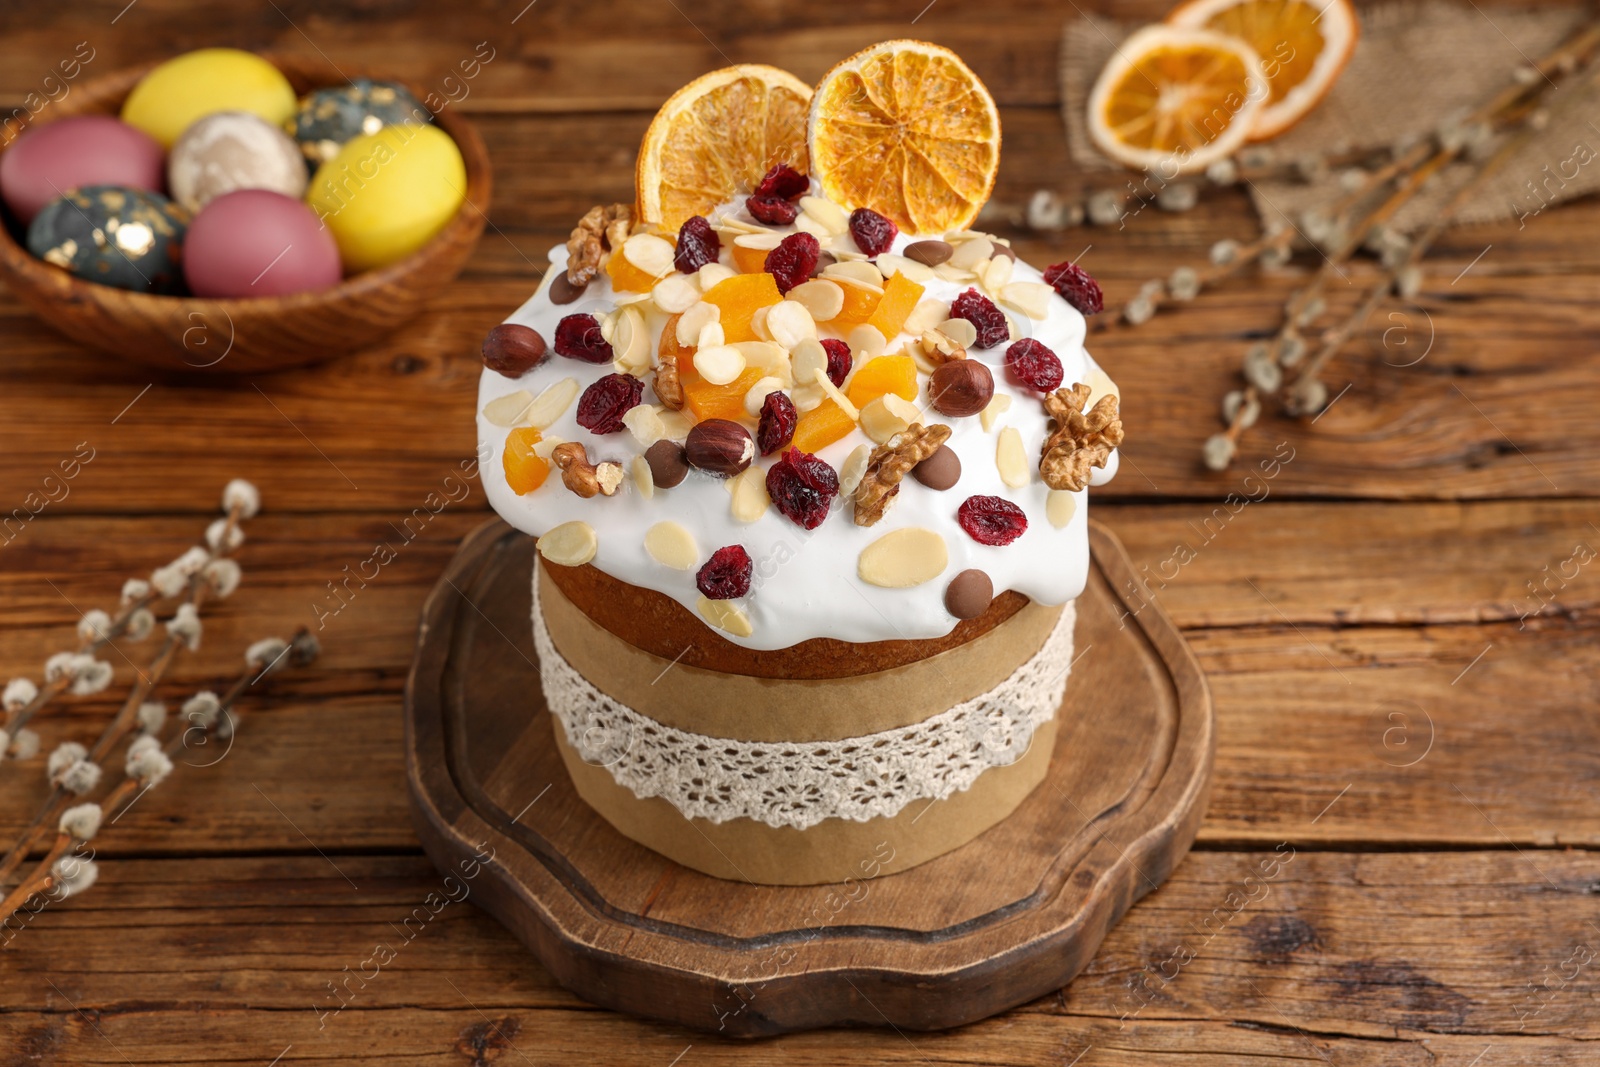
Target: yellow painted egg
x: 188, y: 87
x: 386, y: 194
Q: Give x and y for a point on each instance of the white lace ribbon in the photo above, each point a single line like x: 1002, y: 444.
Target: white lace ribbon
x: 801, y: 784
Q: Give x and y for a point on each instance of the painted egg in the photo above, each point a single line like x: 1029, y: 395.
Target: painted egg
x: 329, y: 118
x: 171, y: 97
x: 232, y: 150
x: 386, y: 194
x: 50, y: 160
x: 254, y: 242
x: 129, y: 238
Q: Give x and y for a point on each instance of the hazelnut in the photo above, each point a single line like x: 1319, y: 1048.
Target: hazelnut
x: 513, y: 350
x: 961, y: 387
x: 668, y: 465
x: 720, y: 447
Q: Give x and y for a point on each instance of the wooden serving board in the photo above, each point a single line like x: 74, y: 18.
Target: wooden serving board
x: 1006, y: 918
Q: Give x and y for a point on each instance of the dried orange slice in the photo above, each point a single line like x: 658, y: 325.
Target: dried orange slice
x: 716, y: 137
x: 1303, y: 46
x: 1174, y: 99
x: 905, y: 128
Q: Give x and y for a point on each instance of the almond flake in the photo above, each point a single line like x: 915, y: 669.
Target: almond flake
x: 806, y: 222
x: 808, y: 357
x: 768, y: 358
x: 761, y: 242
x: 710, y: 336
x: 1059, y: 507
x: 806, y: 398
x: 960, y: 331
x: 551, y: 404
x: 853, y: 470
x: 649, y: 253
x: 867, y: 338
x: 856, y: 270
x: 997, y: 275
x: 903, y: 558
x: 749, y: 491
x: 885, y: 416
x: 643, y: 478
x: 725, y: 615
x: 697, y: 318
x: 644, y: 422
x: 671, y: 545
x: 572, y: 544
x: 822, y: 382
x: 758, y: 323
x: 756, y: 396
x: 509, y: 410
x: 1030, y: 298
x: 829, y: 214
x: 999, y: 405
x: 675, y: 425
x: 925, y: 316
x: 909, y: 269
x: 952, y: 274
x: 719, y: 364
x: 823, y: 298
x: 1010, y: 458
x: 546, y: 445
x: 713, y: 274
x: 969, y: 254
x: 1100, y: 384
x: 675, y: 293
x: 789, y: 322
x: 630, y: 342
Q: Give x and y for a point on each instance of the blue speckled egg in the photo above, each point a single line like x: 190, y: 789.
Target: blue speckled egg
x: 114, y: 235
x: 328, y: 118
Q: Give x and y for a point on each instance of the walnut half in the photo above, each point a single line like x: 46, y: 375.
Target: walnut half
x: 889, y: 463
x: 599, y: 231
x: 1080, y: 440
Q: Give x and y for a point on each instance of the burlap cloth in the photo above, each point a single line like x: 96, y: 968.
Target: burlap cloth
x: 1417, y: 64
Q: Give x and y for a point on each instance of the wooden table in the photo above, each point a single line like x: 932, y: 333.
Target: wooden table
x: 1387, y: 716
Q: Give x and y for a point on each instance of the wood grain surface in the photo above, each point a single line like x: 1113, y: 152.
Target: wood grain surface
x: 1392, y: 585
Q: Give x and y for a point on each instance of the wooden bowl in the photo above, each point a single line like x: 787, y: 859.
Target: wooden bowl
x: 261, y: 334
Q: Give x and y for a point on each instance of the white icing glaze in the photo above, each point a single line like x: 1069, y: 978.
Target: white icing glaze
x: 805, y: 583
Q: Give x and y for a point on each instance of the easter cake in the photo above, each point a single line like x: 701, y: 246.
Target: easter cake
x: 807, y: 459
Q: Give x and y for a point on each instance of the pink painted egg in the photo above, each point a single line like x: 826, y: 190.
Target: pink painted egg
x: 48, y: 161
x: 253, y: 242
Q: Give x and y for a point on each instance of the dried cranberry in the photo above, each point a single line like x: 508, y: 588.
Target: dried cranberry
x: 778, y: 419
x: 698, y: 244
x: 602, y: 405
x: 802, y: 487
x: 872, y: 232
x: 783, y: 182
x: 839, y: 360
x: 772, y: 210
x: 578, y: 337
x: 1034, y: 365
x: 988, y: 320
x: 1076, y: 287
x: 726, y: 574
x: 991, y: 520
x: 793, y: 260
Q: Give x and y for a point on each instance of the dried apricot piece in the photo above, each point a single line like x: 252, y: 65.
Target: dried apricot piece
x: 821, y: 427
x: 707, y: 401
x: 625, y: 277
x: 739, y: 298
x: 885, y: 374
x: 859, y: 304
x: 525, y: 471
x: 900, y: 295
